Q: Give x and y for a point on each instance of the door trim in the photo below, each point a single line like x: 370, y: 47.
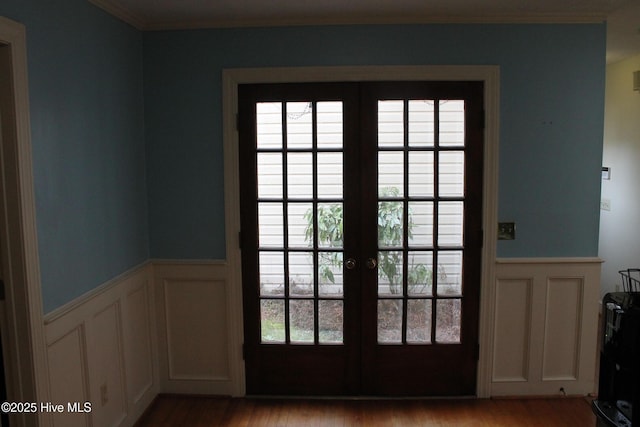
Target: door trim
x: 232, y: 78
x: 27, y: 352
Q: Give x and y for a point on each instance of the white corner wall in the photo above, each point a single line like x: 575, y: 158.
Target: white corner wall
x: 619, y: 241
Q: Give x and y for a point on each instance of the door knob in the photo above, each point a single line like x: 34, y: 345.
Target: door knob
x: 350, y: 264
x: 372, y: 263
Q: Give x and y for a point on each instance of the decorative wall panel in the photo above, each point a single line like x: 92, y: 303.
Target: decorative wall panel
x: 68, y: 376
x: 512, y: 327
x: 101, y: 351
x: 545, y: 327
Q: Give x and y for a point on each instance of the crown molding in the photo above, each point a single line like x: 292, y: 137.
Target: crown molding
x: 377, y: 20
x: 120, y: 12
x: 139, y: 22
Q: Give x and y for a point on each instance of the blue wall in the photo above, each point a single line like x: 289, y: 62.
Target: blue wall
x: 551, y: 120
x: 127, y: 130
x: 87, y: 122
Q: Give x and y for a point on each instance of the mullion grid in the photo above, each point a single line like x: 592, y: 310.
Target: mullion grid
x: 436, y: 215
x: 317, y: 249
x: 436, y: 198
x: 285, y: 236
x: 406, y: 199
x: 315, y: 244
x: 287, y: 248
x: 436, y: 149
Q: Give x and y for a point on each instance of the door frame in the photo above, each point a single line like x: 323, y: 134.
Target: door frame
x: 28, y: 378
x: 232, y: 78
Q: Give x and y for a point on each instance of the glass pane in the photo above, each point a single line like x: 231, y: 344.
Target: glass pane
x: 300, y: 175
x: 451, y: 173
x: 390, y: 123
x: 270, y: 175
x: 300, y: 223
x: 301, y: 321
x: 390, y: 174
x: 330, y: 274
x: 390, y: 273
x: 299, y: 125
x: 330, y: 227
x: 450, y: 219
x: 300, y: 274
x: 421, y: 224
x: 451, y: 123
x: 390, y: 224
x: 272, y: 321
x: 270, y: 225
x: 419, y: 321
x: 271, y: 273
x: 330, y: 175
x: 329, y: 124
x: 448, y: 320
x: 421, y: 173
x: 420, y: 273
x: 449, y: 273
x: 269, y: 125
x: 390, y: 321
x: 330, y: 321
x: 421, y: 127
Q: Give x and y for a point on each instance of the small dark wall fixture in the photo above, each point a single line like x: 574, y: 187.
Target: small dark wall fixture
x: 506, y: 231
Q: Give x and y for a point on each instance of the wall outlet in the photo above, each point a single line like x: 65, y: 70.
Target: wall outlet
x: 506, y: 230
x: 605, y: 204
x: 104, y: 394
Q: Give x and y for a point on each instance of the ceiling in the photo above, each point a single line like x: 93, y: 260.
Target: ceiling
x: 623, y: 16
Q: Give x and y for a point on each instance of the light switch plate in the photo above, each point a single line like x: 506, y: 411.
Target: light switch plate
x: 506, y: 230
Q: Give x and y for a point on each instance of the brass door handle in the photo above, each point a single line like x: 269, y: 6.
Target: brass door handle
x: 350, y: 264
x: 372, y: 263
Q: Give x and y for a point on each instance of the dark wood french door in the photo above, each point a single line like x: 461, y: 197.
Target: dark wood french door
x: 361, y: 213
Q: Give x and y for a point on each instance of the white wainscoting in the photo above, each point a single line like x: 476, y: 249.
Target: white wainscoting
x: 176, y: 327
x: 199, y: 342
x: 545, y: 327
x: 101, y: 349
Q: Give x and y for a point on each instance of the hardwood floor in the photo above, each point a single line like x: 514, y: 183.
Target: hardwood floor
x: 210, y: 412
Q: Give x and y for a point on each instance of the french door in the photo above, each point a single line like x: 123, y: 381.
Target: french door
x: 361, y: 209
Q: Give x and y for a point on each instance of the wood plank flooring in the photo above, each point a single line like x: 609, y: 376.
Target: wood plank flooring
x: 214, y: 412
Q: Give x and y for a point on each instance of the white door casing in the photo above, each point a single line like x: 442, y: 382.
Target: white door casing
x: 26, y: 351
x: 232, y: 78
